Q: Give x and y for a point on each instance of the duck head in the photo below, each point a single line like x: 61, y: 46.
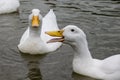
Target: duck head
x: 35, y: 19
x: 69, y: 35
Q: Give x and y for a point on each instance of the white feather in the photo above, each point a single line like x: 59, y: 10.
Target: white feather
x: 38, y: 45
x: 83, y: 63
x: 8, y: 6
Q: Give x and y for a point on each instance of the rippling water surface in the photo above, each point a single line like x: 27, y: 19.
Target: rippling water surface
x: 99, y: 19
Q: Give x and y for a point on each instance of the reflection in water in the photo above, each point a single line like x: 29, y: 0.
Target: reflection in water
x: 34, y: 71
x: 33, y: 64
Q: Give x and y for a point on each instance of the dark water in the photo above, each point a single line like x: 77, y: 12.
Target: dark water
x: 99, y: 19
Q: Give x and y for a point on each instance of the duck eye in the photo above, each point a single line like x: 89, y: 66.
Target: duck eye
x: 72, y: 30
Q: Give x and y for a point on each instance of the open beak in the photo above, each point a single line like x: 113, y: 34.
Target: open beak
x: 58, y: 33
x: 35, y: 21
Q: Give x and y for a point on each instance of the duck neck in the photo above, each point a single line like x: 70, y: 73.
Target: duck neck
x: 34, y: 32
x: 82, y: 51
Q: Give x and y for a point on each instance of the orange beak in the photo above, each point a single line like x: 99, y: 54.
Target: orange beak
x: 35, y: 21
x: 58, y: 33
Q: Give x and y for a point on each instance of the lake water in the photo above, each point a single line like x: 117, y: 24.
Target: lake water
x: 99, y: 19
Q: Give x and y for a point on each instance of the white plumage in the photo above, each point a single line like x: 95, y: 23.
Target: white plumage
x: 83, y: 63
x: 34, y: 40
x: 8, y: 6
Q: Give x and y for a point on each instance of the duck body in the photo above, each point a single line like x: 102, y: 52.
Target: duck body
x: 32, y: 44
x: 8, y: 6
x: 107, y: 69
x: 33, y: 41
x: 83, y: 63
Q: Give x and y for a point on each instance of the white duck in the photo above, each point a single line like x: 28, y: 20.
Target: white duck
x: 83, y: 63
x: 8, y: 6
x: 34, y: 38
